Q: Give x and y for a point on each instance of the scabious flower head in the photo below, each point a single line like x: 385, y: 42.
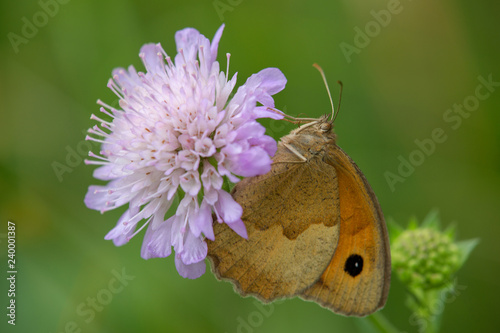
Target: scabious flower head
x: 177, y: 132
x: 425, y: 257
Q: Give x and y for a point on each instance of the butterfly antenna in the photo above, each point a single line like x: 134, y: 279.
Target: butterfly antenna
x: 318, y: 67
x: 340, y: 98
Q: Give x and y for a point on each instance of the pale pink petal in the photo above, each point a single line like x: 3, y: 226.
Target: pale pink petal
x: 252, y: 162
x: 265, y: 142
x: 272, y: 80
x: 195, y: 250
x: 267, y: 112
x: 187, y: 40
x: 211, y: 196
x: 152, y: 58
x: 109, y: 172
x: 227, y: 208
x: 251, y: 129
x: 96, y: 197
x: 188, y: 160
x: 210, y: 177
x: 120, y: 233
x: 145, y: 253
x: 126, y: 79
x: 239, y: 227
x: 192, y: 271
x: 215, y: 43
x: 157, y: 243
x: 190, y: 183
x: 178, y: 233
x: 205, y: 147
x: 202, y: 222
x: 225, y: 172
x: 102, y: 198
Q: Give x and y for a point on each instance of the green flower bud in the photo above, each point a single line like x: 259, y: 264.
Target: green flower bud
x: 425, y: 258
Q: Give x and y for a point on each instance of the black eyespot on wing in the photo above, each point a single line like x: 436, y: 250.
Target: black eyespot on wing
x: 354, y: 265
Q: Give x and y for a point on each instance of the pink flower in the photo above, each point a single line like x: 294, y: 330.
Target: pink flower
x: 178, y: 134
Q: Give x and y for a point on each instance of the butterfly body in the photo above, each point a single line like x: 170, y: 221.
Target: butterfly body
x: 315, y: 229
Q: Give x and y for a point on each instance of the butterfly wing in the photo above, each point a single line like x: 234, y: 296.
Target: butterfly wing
x: 356, y: 281
x: 292, y: 220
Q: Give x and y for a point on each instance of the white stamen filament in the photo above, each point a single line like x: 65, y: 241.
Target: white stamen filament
x: 94, y: 117
x: 115, y: 88
x: 228, y: 56
x: 90, y: 138
x: 91, y: 154
x: 92, y: 162
x: 98, y: 131
x: 142, y: 227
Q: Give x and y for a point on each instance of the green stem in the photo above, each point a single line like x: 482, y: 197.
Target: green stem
x: 380, y: 322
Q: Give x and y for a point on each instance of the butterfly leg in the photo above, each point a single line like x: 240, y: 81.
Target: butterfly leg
x: 293, y: 150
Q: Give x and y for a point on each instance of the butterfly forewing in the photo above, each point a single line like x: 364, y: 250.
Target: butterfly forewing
x: 292, y: 221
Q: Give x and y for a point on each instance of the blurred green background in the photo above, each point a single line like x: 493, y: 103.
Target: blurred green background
x: 399, y: 84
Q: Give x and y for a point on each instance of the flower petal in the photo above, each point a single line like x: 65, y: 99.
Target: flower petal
x: 195, y: 249
x: 204, y: 147
x: 157, y: 243
x: 108, y: 172
x: 96, y: 197
x: 211, y: 196
x: 250, y: 163
x: 215, y: 42
x: 225, y: 172
x: 126, y: 79
x: 210, y: 177
x: 272, y: 80
x: 187, y: 40
x: 265, y: 142
x: 228, y: 209
x: 251, y: 129
x: 120, y: 233
x: 239, y: 227
x: 202, y: 222
x: 266, y: 112
x: 188, y: 160
x: 192, y: 271
x: 151, y: 55
x: 190, y: 183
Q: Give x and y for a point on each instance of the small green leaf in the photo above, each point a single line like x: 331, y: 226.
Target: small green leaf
x: 413, y: 223
x: 432, y: 220
x: 466, y: 248
x: 394, y: 229
x: 450, y: 231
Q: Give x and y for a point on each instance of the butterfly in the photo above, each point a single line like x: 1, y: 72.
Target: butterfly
x: 315, y: 228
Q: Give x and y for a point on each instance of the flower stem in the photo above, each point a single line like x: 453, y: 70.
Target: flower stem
x: 380, y: 322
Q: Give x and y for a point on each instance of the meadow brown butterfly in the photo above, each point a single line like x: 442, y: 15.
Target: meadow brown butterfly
x: 315, y: 228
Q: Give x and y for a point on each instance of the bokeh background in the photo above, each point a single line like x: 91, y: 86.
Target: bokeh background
x: 399, y: 84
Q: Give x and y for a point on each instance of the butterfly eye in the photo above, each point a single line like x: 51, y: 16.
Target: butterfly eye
x: 325, y: 127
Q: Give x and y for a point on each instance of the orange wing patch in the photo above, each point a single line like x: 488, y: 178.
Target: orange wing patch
x: 356, y: 281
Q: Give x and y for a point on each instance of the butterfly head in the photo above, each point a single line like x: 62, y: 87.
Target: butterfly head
x: 325, y: 125
x: 317, y: 132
